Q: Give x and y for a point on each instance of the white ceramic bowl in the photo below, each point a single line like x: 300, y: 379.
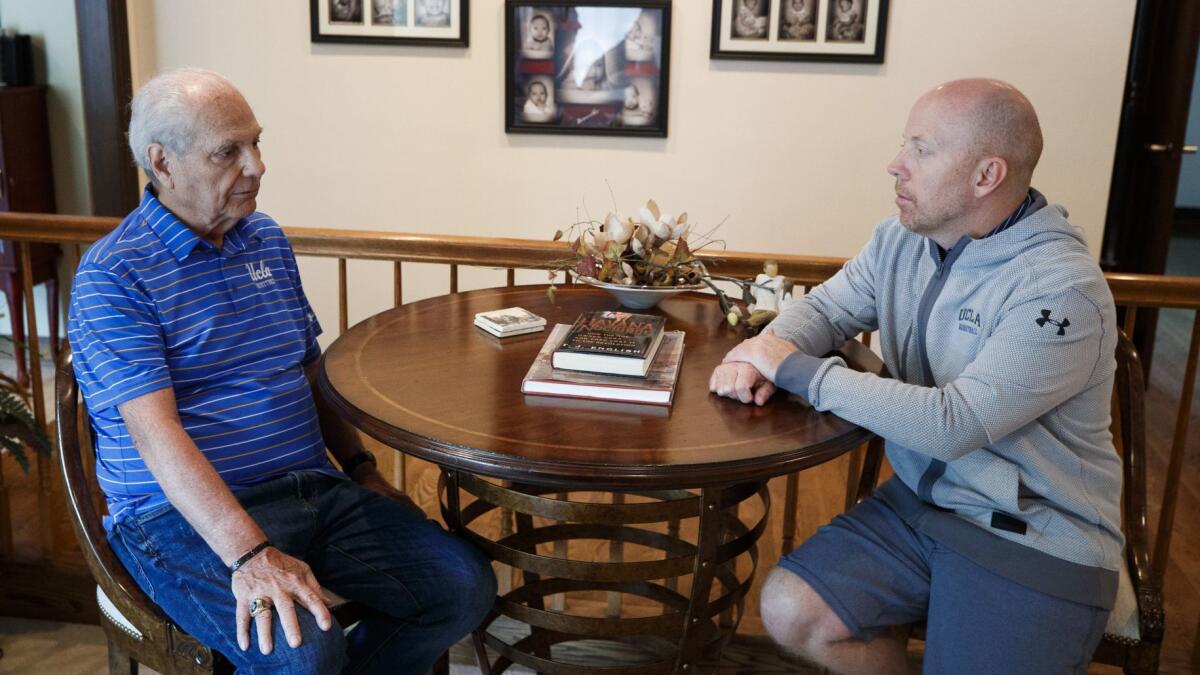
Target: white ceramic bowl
x: 639, y: 297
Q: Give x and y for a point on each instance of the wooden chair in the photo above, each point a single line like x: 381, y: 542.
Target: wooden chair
x: 137, y: 630
x: 1133, y: 637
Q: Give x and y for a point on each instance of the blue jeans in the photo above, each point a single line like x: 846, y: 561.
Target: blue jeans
x: 424, y: 587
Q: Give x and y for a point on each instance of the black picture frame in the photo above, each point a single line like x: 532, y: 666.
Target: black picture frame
x: 379, y: 22
x: 604, y: 67
x: 799, y: 30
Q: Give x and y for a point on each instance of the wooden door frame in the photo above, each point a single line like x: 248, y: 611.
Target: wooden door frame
x: 1158, y: 83
x: 103, y: 28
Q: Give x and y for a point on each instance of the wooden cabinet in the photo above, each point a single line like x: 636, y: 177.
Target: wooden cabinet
x: 26, y: 184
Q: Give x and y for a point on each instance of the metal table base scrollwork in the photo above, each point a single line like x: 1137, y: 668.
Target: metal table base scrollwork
x: 692, y: 627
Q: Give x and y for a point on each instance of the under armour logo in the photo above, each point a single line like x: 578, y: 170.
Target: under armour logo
x: 1062, y: 325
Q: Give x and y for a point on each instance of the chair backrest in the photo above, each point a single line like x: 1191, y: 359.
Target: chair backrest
x: 1130, y: 434
x: 157, y: 632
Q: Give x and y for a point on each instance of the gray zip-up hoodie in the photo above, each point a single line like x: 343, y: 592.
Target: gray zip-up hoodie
x: 997, y: 421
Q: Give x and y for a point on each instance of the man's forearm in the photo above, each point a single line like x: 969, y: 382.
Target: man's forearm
x: 187, y: 478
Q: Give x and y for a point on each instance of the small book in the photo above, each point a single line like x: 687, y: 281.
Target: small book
x: 510, y: 321
x: 657, y: 387
x: 619, y: 343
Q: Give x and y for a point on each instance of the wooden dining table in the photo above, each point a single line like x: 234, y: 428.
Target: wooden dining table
x: 422, y: 379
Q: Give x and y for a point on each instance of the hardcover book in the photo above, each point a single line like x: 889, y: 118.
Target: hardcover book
x: 510, y: 321
x: 619, y: 343
x: 657, y: 387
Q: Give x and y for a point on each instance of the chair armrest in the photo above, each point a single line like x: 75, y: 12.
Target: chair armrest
x: 860, y: 357
x: 110, y: 574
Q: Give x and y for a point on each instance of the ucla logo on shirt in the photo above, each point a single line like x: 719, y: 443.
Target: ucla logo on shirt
x: 969, y: 321
x: 260, y: 274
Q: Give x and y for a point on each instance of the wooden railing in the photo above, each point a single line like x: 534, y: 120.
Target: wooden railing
x: 1131, y: 291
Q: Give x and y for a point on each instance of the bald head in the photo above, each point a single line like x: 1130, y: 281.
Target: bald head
x: 170, y: 110
x: 992, y: 119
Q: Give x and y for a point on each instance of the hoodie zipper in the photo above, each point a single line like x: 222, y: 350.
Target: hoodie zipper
x: 936, y: 466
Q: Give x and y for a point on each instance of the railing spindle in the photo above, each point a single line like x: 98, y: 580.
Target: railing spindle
x: 787, y: 542
x: 33, y: 346
x: 343, y: 299
x: 1166, y: 519
x: 453, y: 278
x: 400, y: 467
x: 511, y: 279
x: 1130, y: 319
x: 397, y: 284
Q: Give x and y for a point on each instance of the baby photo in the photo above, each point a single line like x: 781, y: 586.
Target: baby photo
x: 432, y: 13
x: 642, y: 37
x: 641, y: 102
x: 847, y: 21
x: 539, y: 37
x: 389, y: 12
x: 750, y: 19
x: 798, y: 20
x: 539, y: 101
x: 345, y: 11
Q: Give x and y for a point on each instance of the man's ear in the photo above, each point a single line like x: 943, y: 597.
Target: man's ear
x: 989, y: 175
x: 159, y: 166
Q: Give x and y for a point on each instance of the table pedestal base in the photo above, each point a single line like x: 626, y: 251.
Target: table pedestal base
x: 695, y: 590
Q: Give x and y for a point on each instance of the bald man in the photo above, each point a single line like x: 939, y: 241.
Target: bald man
x: 1001, y: 527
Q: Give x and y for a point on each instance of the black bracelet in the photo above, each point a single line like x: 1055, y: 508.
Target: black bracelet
x: 248, y: 555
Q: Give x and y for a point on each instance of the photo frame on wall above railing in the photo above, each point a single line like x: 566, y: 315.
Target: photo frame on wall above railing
x: 431, y: 23
x: 599, y: 68
x: 799, y: 30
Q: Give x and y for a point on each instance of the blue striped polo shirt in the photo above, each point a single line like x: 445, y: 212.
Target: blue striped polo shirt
x: 229, y: 329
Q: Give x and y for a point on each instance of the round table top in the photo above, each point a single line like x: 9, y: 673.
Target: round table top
x: 423, y: 379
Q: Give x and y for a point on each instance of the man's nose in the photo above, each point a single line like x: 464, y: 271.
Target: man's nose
x: 253, y: 166
x: 895, y: 167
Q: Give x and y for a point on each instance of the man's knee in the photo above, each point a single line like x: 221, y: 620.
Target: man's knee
x: 470, y: 587
x: 319, y: 651
x: 796, y: 616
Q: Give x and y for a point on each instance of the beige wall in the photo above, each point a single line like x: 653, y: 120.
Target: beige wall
x: 790, y: 157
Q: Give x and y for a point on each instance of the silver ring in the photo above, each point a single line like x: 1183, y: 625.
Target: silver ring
x: 260, y: 605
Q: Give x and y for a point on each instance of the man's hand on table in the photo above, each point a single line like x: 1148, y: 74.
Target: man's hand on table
x: 741, y: 381
x: 369, y: 477
x: 286, y: 581
x: 747, y: 373
x: 765, y: 352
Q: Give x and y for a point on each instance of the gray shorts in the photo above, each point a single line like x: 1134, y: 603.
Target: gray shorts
x: 875, y: 571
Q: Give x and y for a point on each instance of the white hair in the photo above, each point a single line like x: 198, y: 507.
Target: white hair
x: 163, y: 112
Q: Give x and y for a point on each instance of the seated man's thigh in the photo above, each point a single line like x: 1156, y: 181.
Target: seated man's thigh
x: 372, y: 550
x: 179, y: 571
x: 867, y: 566
x: 980, y: 622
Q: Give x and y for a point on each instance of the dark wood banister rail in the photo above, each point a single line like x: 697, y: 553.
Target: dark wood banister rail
x: 1128, y: 289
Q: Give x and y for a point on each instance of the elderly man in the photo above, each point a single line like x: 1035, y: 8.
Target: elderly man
x: 1001, y: 526
x: 196, y: 351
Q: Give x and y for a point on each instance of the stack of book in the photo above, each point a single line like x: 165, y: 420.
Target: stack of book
x: 511, y: 321
x: 611, y: 356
